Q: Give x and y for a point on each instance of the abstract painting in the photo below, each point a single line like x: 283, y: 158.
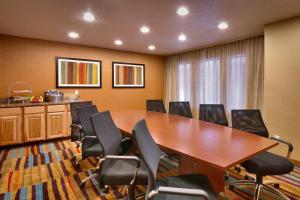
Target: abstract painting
x: 128, y: 75
x: 78, y: 73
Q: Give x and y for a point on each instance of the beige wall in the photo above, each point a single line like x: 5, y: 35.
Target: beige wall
x: 282, y: 82
x: 33, y: 61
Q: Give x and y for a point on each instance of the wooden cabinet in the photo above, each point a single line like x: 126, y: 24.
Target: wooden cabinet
x: 34, y: 123
x: 30, y: 123
x: 56, y: 121
x: 10, y: 126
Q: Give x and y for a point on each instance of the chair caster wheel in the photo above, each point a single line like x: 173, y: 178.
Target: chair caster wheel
x: 82, y: 185
x: 276, y: 185
x: 247, y: 177
x: 74, y: 158
x: 238, y: 169
x: 105, y: 190
x: 231, y: 187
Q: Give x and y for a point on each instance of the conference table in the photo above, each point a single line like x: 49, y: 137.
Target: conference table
x: 202, y: 147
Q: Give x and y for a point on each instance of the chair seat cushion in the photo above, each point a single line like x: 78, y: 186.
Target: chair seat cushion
x: 189, y: 181
x: 91, y: 148
x: 121, y: 172
x: 268, y: 164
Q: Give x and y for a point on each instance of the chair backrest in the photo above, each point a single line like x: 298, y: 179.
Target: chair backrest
x: 250, y: 121
x: 107, y: 133
x: 180, y: 108
x: 155, y: 105
x: 73, y: 108
x: 84, y: 114
x: 214, y: 113
x: 148, y: 150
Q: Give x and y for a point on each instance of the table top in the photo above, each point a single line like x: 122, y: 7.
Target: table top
x: 215, y: 145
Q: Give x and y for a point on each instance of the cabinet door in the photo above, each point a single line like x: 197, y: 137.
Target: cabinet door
x: 10, y: 130
x: 56, y: 124
x: 69, y: 124
x: 34, y: 127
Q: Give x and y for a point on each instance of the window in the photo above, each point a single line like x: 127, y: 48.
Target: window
x: 209, y: 81
x: 236, y: 83
x: 184, y: 75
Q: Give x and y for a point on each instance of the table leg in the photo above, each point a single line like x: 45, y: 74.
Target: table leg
x: 216, y: 176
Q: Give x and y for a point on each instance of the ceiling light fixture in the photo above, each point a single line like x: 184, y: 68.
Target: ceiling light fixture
x: 145, y: 29
x: 182, y: 37
x: 223, y: 25
x: 73, y: 35
x: 118, y: 42
x: 151, y: 47
x: 182, y: 11
x: 89, y: 17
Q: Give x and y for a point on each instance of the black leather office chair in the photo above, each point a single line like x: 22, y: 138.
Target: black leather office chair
x: 76, y: 133
x: 155, y: 105
x: 116, y: 169
x: 264, y: 163
x: 189, y: 186
x: 214, y: 113
x: 90, y: 144
x: 180, y: 108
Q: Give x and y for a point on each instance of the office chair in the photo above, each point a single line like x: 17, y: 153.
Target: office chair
x: 156, y: 106
x: 214, y: 113
x: 189, y: 186
x: 76, y: 133
x: 264, y: 163
x: 180, y: 108
x: 90, y: 145
x: 116, y: 169
x: 76, y: 128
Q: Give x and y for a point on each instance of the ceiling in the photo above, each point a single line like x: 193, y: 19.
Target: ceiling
x: 122, y: 19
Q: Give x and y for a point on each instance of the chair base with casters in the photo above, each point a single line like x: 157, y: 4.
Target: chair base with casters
x: 264, y: 164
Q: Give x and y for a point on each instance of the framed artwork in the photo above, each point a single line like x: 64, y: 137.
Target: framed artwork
x: 128, y: 75
x: 78, y: 73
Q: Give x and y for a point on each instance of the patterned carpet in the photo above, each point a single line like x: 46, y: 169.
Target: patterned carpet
x: 45, y: 171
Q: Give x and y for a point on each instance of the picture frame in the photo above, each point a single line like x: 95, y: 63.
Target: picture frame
x: 128, y: 75
x: 78, y: 73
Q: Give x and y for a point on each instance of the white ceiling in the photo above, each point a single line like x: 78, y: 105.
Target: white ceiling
x: 121, y: 19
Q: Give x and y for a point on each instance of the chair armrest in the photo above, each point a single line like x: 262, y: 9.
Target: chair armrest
x: 89, y: 137
x: 290, y: 146
x: 179, y: 191
x: 125, y: 139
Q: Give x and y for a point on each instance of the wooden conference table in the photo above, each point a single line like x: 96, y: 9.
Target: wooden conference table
x: 214, y: 148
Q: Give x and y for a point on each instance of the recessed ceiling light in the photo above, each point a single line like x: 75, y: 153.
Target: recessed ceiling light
x: 145, y: 29
x: 151, y: 47
x: 182, y: 37
x: 223, y: 25
x: 118, y: 42
x: 89, y: 17
x: 73, y: 35
x: 182, y: 11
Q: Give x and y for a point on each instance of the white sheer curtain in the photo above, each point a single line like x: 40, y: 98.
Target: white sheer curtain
x: 230, y: 74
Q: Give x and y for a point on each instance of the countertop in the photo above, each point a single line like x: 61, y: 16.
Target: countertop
x: 16, y: 105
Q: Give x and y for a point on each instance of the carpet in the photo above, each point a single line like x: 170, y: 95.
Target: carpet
x: 46, y: 171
